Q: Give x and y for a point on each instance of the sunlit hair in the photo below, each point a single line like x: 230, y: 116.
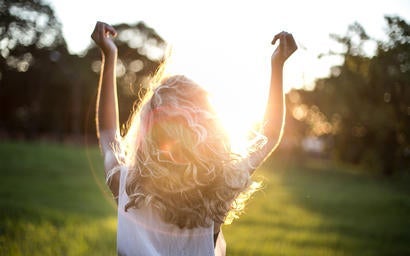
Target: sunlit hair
x: 179, y: 158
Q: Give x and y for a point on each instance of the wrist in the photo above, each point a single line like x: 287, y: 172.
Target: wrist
x: 277, y: 61
x: 110, y: 54
x: 277, y: 64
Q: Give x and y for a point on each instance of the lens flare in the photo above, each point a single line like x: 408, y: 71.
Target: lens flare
x: 238, y: 120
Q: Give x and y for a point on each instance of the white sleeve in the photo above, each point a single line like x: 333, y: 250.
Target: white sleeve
x: 260, y: 150
x: 109, y: 145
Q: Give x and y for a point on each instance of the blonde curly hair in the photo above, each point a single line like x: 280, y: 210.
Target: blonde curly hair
x: 179, y: 158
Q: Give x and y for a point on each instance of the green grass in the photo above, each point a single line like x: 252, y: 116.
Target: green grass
x: 324, y: 211
x: 51, y: 204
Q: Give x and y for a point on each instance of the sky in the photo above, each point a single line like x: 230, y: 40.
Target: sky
x: 237, y: 32
x: 224, y: 45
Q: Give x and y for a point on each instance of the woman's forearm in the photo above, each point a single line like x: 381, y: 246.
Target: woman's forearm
x: 273, y: 119
x: 275, y: 109
x: 107, y: 106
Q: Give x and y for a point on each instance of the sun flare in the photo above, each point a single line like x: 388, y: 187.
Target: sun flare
x: 238, y: 97
x: 239, y: 117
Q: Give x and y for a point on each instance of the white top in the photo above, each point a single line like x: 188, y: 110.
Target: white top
x: 143, y: 232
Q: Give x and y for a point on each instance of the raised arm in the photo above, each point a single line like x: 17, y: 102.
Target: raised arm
x: 275, y: 109
x: 107, y: 107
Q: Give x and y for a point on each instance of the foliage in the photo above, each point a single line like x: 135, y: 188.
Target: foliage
x: 46, y: 91
x: 30, y: 41
x: 27, y: 23
x: 362, y: 108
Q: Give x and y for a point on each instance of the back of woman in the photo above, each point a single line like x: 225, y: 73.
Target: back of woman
x: 174, y: 175
x: 141, y: 231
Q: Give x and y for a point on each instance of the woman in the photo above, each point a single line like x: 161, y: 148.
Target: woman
x: 173, y: 174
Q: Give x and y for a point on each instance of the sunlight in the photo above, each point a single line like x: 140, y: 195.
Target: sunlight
x: 237, y: 89
x: 239, y: 115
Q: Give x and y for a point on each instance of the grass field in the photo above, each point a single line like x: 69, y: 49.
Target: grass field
x: 51, y: 203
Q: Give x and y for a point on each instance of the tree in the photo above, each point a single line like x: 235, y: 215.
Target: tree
x: 363, y: 104
x: 46, y: 91
x: 391, y: 74
x: 31, y: 44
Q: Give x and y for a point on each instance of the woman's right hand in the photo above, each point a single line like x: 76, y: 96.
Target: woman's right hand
x: 102, y: 36
x: 287, y: 46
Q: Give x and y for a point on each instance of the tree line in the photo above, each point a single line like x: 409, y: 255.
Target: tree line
x: 46, y: 91
x: 360, y: 112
